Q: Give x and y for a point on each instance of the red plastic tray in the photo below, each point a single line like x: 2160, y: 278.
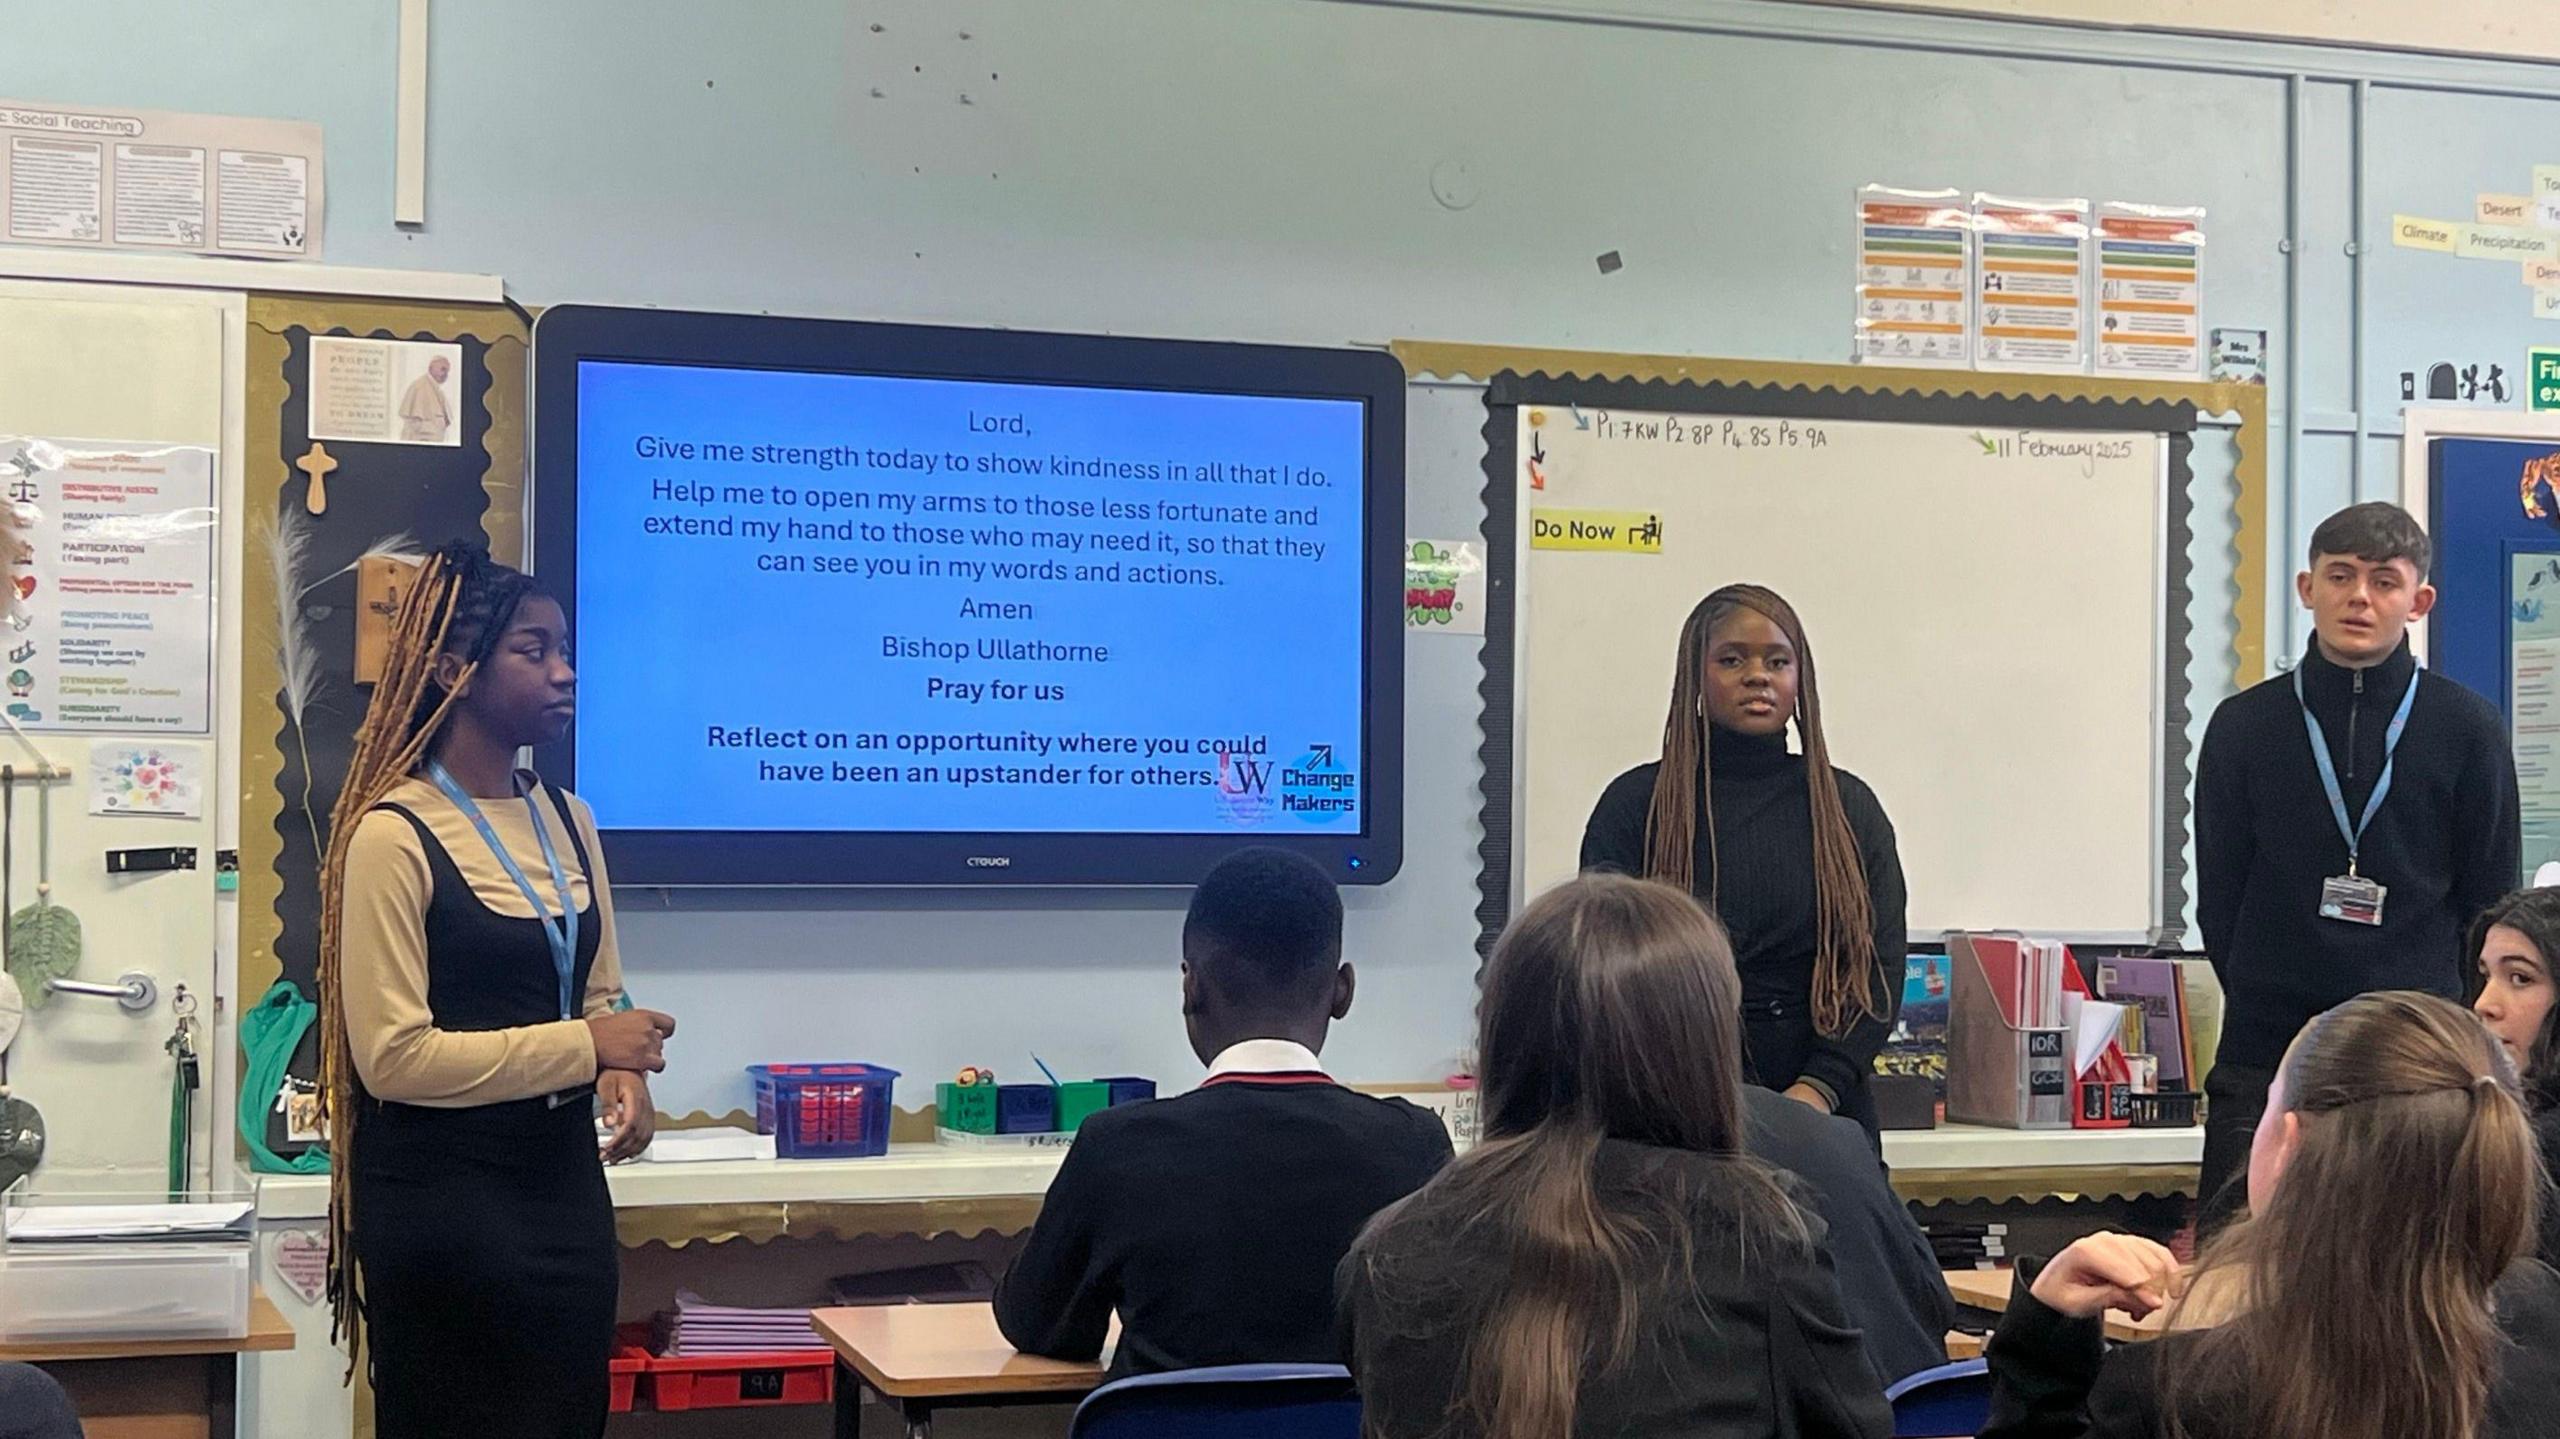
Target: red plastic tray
x: 630, y: 1359
x: 743, y: 1381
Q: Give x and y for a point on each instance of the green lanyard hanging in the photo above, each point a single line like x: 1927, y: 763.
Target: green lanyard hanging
x: 185, y: 1075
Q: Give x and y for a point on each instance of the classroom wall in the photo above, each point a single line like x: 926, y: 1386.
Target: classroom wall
x: 2476, y: 27
x: 1264, y: 169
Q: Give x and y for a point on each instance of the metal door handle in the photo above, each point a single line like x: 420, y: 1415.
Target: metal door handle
x: 135, y: 992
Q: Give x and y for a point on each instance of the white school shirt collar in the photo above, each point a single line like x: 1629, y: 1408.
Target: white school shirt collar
x: 1266, y: 1056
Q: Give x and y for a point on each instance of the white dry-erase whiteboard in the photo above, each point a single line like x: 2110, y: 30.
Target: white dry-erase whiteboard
x: 1986, y: 584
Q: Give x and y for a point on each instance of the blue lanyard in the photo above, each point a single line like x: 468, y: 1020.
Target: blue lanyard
x: 2329, y: 767
x: 564, y: 935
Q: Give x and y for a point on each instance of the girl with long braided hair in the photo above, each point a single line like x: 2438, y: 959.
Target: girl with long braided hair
x: 1796, y: 857
x: 472, y: 1015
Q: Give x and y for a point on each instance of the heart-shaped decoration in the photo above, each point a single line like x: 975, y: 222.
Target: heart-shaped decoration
x: 26, y: 586
x: 302, y: 1260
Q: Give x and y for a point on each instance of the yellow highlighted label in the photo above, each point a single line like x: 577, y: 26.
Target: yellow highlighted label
x: 2412, y: 233
x: 1635, y: 532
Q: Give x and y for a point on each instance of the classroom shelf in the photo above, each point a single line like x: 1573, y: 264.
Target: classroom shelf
x: 1957, y: 1161
x: 1968, y: 1146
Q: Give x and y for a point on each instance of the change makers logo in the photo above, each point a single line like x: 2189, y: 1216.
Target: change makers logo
x: 1319, y: 789
x: 1316, y: 788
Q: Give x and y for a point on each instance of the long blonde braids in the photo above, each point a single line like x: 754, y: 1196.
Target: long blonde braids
x: 400, y: 724
x: 1847, y: 974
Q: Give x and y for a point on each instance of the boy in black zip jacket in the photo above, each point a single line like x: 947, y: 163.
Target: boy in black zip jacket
x: 2296, y: 917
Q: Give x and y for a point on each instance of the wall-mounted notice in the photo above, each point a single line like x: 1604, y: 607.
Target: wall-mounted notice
x: 110, y: 619
x: 113, y: 178
x: 2031, y: 306
x: 1915, y: 278
x: 2151, y: 291
x: 2239, y: 357
x: 2533, y: 699
x: 386, y: 392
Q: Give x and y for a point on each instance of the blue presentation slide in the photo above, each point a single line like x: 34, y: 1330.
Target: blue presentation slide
x: 828, y: 602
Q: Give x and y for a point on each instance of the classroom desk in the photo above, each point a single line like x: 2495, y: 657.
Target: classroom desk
x: 157, y: 1388
x: 1988, y: 1291
x: 920, y: 1358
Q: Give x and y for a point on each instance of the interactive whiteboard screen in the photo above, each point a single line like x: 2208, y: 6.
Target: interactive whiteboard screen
x: 1038, y: 628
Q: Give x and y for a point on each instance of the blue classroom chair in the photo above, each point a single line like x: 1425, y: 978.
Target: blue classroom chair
x: 1952, y: 1399
x: 1239, y: 1401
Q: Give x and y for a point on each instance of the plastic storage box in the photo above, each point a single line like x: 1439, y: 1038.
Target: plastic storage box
x: 630, y: 1360
x: 1026, y: 1109
x: 968, y: 1108
x: 1127, y: 1090
x: 742, y: 1381
x: 1080, y: 1101
x: 116, y: 1291
x: 824, y: 1111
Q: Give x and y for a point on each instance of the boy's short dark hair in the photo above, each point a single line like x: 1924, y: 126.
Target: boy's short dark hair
x: 2375, y: 532
x: 1266, y: 925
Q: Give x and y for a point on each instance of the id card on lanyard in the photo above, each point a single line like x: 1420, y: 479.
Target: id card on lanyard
x: 562, y: 934
x: 2351, y: 898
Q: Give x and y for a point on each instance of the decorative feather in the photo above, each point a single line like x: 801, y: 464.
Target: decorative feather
x: 288, y: 541
x: 401, y: 546
x: 287, y: 538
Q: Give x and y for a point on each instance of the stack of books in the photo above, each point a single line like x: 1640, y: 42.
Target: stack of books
x: 696, y: 1328
x: 1969, y: 1246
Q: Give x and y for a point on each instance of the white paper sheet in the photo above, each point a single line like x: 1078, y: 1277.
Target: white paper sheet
x: 2100, y: 1021
x: 74, y: 1223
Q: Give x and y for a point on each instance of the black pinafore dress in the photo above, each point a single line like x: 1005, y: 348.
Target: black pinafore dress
x: 484, y: 1237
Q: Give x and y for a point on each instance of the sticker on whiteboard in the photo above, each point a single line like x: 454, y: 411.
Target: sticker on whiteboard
x: 1634, y: 532
x: 1444, y: 586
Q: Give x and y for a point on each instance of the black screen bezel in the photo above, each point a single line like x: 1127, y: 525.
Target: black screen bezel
x: 566, y: 336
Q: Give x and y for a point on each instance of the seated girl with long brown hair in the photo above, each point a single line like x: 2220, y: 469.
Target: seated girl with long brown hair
x: 2517, y: 944
x: 1608, y: 1261
x: 2382, y: 1288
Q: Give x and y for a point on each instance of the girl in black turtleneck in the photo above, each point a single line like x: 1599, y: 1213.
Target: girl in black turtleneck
x: 1797, y: 858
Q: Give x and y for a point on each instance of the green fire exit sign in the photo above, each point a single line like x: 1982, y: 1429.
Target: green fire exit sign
x: 2546, y: 379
